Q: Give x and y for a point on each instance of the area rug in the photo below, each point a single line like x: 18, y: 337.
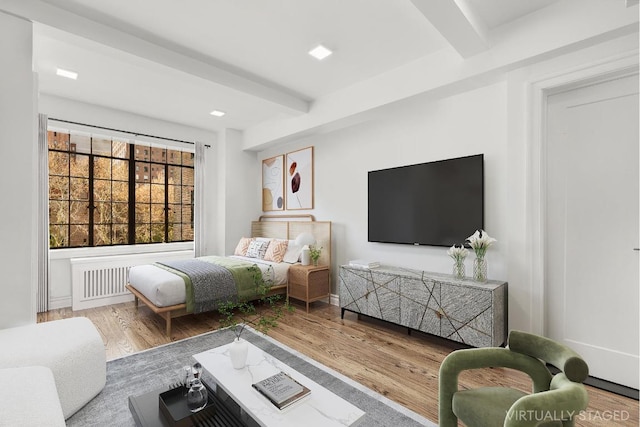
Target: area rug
x: 159, y: 367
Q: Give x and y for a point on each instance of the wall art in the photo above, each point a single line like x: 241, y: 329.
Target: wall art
x: 273, y: 184
x: 299, y: 180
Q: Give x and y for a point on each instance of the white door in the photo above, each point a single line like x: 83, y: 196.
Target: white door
x: 592, y: 226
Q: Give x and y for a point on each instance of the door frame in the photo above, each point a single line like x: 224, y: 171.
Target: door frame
x: 538, y: 91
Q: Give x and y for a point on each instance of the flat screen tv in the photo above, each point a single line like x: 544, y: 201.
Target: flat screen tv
x: 437, y: 203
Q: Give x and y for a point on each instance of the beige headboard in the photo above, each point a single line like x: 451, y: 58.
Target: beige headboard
x: 278, y: 227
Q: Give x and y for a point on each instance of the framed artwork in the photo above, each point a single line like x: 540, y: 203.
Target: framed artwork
x: 299, y: 180
x: 273, y: 184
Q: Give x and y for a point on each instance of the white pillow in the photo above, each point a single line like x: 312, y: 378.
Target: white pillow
x: 257, y: 249
x: 293, y: 253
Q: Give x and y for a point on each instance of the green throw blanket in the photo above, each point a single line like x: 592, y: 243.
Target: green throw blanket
x: 243, y: 273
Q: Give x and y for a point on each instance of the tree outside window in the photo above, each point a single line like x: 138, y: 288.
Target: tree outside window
x: 98, y: 195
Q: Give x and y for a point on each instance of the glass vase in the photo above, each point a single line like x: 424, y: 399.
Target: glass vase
x: 458, y: 269
x: 480, y: 269
x: 197, y: 396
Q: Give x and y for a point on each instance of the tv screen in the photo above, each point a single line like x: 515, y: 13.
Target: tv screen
x: 437, y: 203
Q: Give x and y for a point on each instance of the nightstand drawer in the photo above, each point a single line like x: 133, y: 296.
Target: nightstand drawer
x: 298, y: 276
x: 318, y: 284
x: 298, y: 291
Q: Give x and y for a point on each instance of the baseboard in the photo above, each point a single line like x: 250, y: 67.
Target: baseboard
x: 619, y: 389
x: 60, y: 302
x: 622, y: 390
x: 334, y: 300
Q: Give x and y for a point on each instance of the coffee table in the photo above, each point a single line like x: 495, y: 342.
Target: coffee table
x: 322, y: 408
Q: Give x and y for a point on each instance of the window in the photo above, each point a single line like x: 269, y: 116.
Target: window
x: 98, y: 198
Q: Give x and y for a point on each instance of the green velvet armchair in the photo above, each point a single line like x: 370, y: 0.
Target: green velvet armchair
x: 555, y: 399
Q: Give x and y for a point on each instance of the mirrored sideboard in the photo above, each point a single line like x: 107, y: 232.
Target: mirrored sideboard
x: 465, y: 311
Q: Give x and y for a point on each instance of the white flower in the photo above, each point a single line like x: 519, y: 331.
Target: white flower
x: 457, y: 253
x: 480, y: 242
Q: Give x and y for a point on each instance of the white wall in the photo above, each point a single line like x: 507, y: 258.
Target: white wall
x: 239, y: 200
x: 495, y: 120
x: 525, y: 257
x: 18, y: 174
x: 411, y: 132
x: 66, y: 109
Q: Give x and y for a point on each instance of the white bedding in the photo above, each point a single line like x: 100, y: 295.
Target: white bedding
x: 164, y: 288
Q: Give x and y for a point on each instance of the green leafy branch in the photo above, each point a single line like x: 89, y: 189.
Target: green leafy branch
x: 315, y: 252
x: 239, y: 314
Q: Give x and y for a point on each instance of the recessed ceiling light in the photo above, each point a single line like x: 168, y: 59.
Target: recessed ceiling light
x: 320, y: 52
x: 217, y: 113
x: 66, y: 73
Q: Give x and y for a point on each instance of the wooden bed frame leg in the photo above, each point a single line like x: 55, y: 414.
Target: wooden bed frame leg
x: 168, y: 319
x: 137, y: 301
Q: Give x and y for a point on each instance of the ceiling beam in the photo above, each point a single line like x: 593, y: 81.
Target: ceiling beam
x: 41, y: 12
x: 461, y: 28
x: 593, y: 29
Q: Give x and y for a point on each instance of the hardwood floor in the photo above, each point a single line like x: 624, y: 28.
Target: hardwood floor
x: 383, y: 357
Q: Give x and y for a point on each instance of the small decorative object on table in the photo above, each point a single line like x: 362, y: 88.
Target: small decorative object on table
x: 188, y: 373
x: 458, y: 253
x: 239, y: 349
x: 190, y: 395
x: 185, y: 376
x: 314, y: 253
x: 281, y: 390
x: 197, y: 396
x: 480, y: 242
x: 364, y: 264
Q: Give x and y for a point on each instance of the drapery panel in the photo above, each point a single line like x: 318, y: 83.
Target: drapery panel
x: 199, y: 237
x: 43, y: 216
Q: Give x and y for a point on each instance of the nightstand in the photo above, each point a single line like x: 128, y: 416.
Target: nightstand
x: 309, y: 283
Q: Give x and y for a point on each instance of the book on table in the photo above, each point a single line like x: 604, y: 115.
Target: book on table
x: 361, y: 263
x: 281, y: 390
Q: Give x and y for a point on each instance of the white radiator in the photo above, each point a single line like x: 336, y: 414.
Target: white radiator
x: 98, y: 281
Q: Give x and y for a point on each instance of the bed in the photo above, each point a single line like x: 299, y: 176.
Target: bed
x: 176, y: 288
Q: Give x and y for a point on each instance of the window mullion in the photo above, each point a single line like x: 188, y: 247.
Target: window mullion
x: 91, y: 200
x: 69, y: 199
x: 166, y: 203
x: 131, y: 239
